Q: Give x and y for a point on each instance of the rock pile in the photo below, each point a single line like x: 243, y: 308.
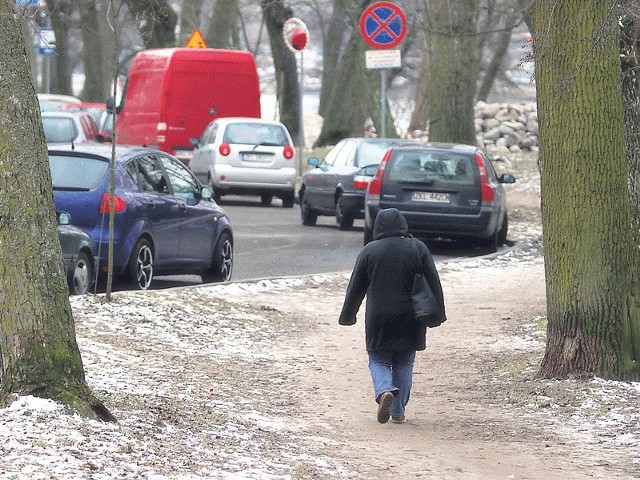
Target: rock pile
x: 507, y: 127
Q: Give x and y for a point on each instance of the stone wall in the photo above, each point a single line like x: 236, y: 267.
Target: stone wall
x: 502, y: 127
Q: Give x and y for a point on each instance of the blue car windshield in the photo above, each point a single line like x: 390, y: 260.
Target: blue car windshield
x: 76, y: 173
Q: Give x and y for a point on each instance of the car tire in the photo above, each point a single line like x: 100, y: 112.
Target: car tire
x: 288, y: 200
x: 344, y: 220
x: 309, y: 217
x: 222, y: 261
x: 504, y: 229
x: 140, y: 268
x: 368, y: 234
x: 265, y: 199
x: 81, y: 278
x: 490, y: 244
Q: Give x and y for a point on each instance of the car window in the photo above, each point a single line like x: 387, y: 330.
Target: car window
x: 333, y: 153
x: 76, y: 173
x: 182, y: 181
x: 371, y: 153
x: 347, y: 155
x: 255, y: 134
x: 209, y: 135
x: 150, y: 176
x: 89, y: 127
x: 446, y: 167
x: 59, y: 129
x: 491, y: 172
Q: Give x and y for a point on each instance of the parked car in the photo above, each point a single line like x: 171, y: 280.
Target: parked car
x: 95, y: 109
x: 444, y: 191
x: 246, y: 156
x: 69, y: 127
x: 52, y: 101
x: 165, y: 220
x: 338, y: 185
x: 77, y: 251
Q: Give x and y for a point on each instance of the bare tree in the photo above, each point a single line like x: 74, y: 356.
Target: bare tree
x: 224, y: 24
x: 96, y: 83
x: 156, y: 21
x: 60, y: 14
x: 276, y: 13
x: 38, y: 350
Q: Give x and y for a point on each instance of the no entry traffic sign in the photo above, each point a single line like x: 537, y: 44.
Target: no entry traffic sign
x: 383, y: 25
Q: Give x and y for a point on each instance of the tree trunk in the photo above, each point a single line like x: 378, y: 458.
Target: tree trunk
x: 420, y: 116
x: 38, y: 350
x: 61, y: 14
x: 495, y: 64
x: 590, y: 260
x: 156, y: 22
x: 284, y: 60
x: 332, y: 45
x: 223, y: 24
x: 355, y: 97
x: 96, y: 78
x: 189, y: 15
x: 454, y: 71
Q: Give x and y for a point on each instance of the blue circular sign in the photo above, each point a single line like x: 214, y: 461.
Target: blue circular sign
x: 383, y: 25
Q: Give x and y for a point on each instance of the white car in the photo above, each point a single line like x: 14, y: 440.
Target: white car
x: 246, y: 156
x: 69, y: 127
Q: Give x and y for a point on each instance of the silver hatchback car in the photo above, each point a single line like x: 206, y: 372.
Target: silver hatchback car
x: 246, y: 156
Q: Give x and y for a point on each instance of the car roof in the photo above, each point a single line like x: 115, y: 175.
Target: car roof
x: 54, y: 97
x: 123, y: 152
x: 438, y: 146
x: 247, y: 120
x: 64, y: 113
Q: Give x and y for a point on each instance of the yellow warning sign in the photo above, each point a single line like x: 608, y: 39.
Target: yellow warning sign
x: 196, y: 40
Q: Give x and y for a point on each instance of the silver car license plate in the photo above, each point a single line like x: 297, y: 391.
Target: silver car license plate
x: 256, y: 157
x: 433, y: 197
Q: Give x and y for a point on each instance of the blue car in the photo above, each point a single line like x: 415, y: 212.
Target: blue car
x: 166, y: 222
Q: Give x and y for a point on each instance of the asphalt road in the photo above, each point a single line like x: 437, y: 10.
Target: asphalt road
x: 272, y: 242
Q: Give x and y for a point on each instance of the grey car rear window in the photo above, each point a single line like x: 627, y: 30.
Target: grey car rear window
x: 372, y: 153
x: 415, y: 166
x: 255, y: 134
x: 76, y: 173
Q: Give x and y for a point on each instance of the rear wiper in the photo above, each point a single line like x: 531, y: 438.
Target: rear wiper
x: 266, y: 144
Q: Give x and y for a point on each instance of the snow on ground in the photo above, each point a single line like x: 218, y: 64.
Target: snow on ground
x: 151, y: 360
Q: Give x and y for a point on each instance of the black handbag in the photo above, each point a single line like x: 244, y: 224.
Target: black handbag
x: 425, y: 306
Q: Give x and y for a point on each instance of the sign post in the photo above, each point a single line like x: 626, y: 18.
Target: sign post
x: 47, y: 49
x: 383, y: 25
x: 296, y: 36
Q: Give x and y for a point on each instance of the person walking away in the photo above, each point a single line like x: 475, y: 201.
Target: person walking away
x: 384, y: 272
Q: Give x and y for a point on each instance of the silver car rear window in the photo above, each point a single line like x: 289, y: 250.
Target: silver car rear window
x: 59, y: 129
x: 76, y: 173
x: 255, y: 134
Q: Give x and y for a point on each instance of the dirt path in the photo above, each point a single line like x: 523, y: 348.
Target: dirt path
x: 468, y: 416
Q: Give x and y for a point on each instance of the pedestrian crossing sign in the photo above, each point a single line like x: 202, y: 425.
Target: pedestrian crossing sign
x: 196, y: 40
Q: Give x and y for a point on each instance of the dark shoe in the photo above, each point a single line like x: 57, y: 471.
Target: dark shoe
x: 400, y: 419
x: 384, y: 407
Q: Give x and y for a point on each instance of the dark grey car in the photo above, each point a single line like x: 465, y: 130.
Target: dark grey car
x: 444, y: 191
x: 338, y: 185
x: 77, y: 251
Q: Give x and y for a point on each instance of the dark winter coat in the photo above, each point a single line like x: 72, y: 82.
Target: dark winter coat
x: 384, y: 272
